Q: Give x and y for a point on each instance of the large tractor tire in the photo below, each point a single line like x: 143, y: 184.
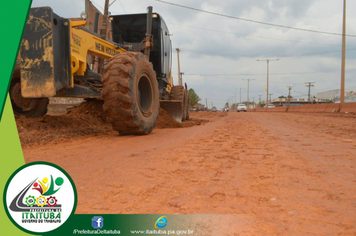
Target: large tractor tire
x: 130, y: 93
x: 30, y: 107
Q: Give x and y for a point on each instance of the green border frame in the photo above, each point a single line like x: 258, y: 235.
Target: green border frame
x: 14, y: 29
x: 39, y: 163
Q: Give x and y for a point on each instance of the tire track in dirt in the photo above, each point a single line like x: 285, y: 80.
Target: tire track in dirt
x: 309, y: 171
x: 277, y: 176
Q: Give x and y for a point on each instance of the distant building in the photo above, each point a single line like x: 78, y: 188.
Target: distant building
x: 91, y: 10
x: 334, y: 95
x: 198, y: 107
x: 296, y: 101
x: 350, y: 96
x: 329, y: 95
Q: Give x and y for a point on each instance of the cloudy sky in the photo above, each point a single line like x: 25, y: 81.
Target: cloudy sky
x: 219, y: 53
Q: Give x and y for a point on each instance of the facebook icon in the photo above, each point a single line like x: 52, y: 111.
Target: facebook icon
x: 97, y: 222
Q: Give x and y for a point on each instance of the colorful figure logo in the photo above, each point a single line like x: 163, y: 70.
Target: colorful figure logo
x: 161, y: 222
x: 45, y: 188
x: 39, y: 203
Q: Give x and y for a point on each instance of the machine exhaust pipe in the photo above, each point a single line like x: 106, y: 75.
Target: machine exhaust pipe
x: 96, y: 27
x: 148, y: 38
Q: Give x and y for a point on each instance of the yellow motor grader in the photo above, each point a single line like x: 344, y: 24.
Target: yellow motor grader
x: 134, y: 77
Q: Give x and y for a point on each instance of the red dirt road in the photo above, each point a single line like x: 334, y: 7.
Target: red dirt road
x: 278, y: 173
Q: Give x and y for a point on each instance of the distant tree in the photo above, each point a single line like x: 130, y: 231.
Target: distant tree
x: 282, y: 96
x: 227, y: 104
x: 193, y: 97
x: 262, y: 104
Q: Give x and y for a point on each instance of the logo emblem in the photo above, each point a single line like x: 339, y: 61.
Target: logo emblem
x: 39, y: 197
x: 97, y: 222
x: 161, y: 222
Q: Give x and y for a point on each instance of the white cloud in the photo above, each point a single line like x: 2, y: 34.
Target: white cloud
x: 217, y: 45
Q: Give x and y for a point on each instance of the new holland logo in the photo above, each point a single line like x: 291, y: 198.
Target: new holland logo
x: 39, y: 197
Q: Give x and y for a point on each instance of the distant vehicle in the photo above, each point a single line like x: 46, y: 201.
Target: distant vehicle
x: 292, y: 104
x: 241, y: 107
x: 271, y: 106
x: 214, y: 109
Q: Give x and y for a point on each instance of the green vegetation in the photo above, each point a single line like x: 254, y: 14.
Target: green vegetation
x: 194, y: 98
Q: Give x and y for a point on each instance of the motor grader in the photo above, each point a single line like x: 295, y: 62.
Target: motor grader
x: 134, y: 77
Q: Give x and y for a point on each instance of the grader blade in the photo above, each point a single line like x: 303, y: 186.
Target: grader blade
x: 174, y: 109
x: 45, y: 54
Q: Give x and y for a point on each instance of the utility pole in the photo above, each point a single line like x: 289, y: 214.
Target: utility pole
x: 240, y: 95
x: 259, y: 100
x: 342, y: 89
x: 105, y: 20
x: 268, y: 60
x: 86, y: 7
x: 248, y: 91
x: 270, y: 98
x: 289, y: 88
x: 309, y: 84
x: 179, y: 78
x: 103, y: 34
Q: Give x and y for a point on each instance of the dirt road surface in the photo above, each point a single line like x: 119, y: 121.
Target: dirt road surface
x: 278, y: 173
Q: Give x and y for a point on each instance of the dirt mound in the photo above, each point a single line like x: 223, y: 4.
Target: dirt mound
x: 64, y: 121
x: 209, y: 115
x: 88, y: 118
x: 94, y: 108
x: 166, y: 121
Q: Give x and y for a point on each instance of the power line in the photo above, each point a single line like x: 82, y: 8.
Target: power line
x: 259, y: 37
x: 316, y: 53
x: 122, y: 6
x: 299, y: 96
x: 300, y: 93
x: 295, y: 73
x: 200, y: 52
x: 97, y: 5
x: 252, y: 21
